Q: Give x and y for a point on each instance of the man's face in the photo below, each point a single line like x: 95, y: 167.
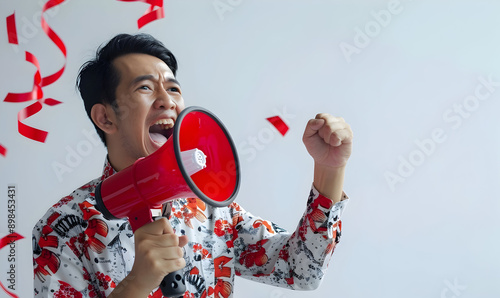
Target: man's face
x: 149, y: 100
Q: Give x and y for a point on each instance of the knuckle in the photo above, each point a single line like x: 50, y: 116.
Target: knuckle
x: 142, y: 245
x: 172, y: 239
x: 180, y: 252
x: 149, y: 254
x: 163, y: 221
x: 180, y: 263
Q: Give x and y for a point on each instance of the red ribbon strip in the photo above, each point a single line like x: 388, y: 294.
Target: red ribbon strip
x: 10, y: 238
x: 151, y: 14
x: 12, y: 36
x: 7, y: 291
x: 4, y: 242
x: 11, y: 29
x: 38, y: 82
x: 55, y: 39
x: 279, y: 124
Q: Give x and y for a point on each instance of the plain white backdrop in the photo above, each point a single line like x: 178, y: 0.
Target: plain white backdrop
x: 418, y: 81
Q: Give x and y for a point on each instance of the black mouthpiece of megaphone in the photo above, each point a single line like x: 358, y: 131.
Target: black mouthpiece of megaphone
x: 198, y: 160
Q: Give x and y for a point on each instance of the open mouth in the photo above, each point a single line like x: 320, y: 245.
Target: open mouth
x: 161, y: 131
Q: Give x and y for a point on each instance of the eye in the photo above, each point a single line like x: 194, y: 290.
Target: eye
x: 174, y: 89
x: 144, y: 87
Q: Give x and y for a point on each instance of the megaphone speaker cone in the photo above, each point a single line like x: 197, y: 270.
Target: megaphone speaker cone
x: 218, y: 183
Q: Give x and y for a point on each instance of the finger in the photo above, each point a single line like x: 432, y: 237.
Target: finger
x: 183, y: 240
x: 157, y: 227
x: 171, y: 253
x: 156, y: 243
x: 346, y: 135
x: 312, y: 127
x: 173, y: 259
x: 329, y: 131
x: 340, y: 137
x: 329, y: 118
x: 168, y: 240
x: 173, y: 265
x: 331, y: 127
x: 165, y: 261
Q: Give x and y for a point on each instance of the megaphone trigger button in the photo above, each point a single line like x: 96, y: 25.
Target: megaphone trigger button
x: 156, y: 213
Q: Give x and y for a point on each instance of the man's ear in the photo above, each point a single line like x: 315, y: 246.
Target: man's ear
x: 104, y: 117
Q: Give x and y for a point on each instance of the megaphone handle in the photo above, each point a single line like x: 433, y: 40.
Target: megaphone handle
x: 173, y: 284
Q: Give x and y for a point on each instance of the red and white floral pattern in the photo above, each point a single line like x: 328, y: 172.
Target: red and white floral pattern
x: 79, y: 253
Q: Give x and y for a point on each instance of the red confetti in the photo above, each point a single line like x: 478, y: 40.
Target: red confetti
x: 279, y: 124
x: 38, y: 82
x: 11, y: 29
x: 4, y: 242
x: 151, y: 14
x: 3, y: 150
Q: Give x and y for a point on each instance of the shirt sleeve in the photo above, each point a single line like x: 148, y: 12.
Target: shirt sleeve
x: 61, y: 242
x: 267, y: 253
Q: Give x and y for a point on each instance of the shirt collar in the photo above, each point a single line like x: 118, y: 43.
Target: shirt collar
x: 108, y: 169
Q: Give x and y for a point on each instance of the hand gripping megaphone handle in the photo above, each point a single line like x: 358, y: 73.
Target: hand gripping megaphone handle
x: 173, y: 284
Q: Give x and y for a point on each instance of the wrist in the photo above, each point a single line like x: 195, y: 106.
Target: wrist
x: 329, y: 181
x: 128, y: 287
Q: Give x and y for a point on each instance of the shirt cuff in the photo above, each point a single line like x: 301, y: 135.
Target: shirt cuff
x: 330, y: 221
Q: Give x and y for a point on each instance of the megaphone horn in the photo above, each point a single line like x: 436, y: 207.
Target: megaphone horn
x: 198, y: 160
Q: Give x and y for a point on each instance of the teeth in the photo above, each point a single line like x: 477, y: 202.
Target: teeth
x: 165, y: 123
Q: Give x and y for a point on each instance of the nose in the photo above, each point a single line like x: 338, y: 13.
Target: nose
x: 164, y: 101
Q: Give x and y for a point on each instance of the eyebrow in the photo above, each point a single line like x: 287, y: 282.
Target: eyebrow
x: 151, y: 78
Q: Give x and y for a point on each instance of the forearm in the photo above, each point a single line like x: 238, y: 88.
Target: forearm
x: 128, y: 288
x: 329, y: 181
x: 296, y: 260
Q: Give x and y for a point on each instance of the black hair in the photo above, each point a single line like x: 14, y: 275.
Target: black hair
x: 98, y: 78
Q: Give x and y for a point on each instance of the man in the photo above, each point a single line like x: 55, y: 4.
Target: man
x: 133, y: 98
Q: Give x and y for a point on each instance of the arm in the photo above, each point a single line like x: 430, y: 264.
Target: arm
x: 267, y: 253
x: 328, y: 140
x: 52, y: 260
x: 270, y: 254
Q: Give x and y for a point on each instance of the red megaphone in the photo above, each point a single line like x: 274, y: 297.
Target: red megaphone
x: 166, y: 175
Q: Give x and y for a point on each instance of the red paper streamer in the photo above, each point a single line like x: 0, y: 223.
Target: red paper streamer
x: 11, y: 29
x: 4, y: 242
x: 7, y: 291
x: 56, y: 40
x: 151, y: 14
x: 279, y: 124
x: 12, y: 36
x: 9, y: 238
x: 38, y: 82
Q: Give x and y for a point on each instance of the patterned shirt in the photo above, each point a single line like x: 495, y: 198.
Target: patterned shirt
x: 77, y: 252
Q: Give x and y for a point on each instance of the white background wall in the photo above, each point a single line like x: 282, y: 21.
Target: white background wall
x: 410, y: 76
